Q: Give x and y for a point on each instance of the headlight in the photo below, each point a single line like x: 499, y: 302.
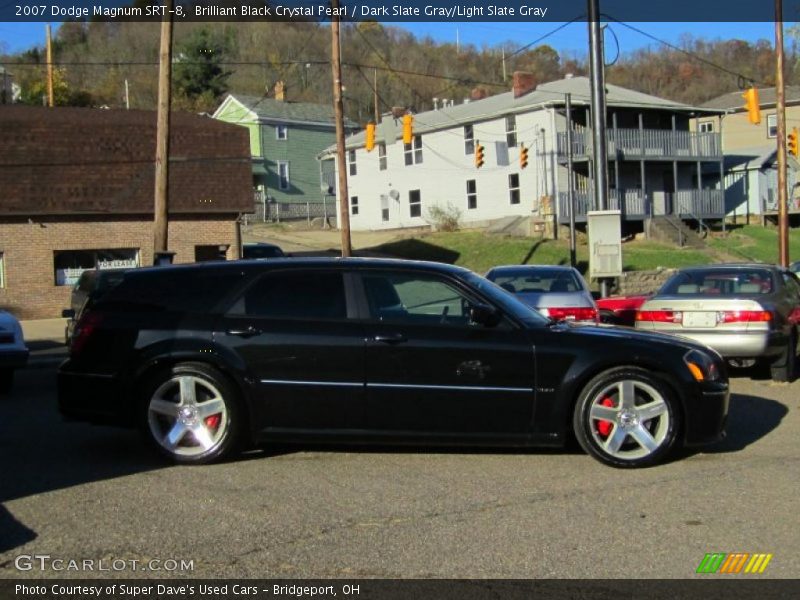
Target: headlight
x: 701, y: 366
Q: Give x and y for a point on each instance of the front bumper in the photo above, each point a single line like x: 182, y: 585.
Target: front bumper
x: 15, y: 358
x: 93, y: 397
x: 707, y: 413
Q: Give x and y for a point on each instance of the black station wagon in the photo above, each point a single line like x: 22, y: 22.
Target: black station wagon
x: 209, y: 359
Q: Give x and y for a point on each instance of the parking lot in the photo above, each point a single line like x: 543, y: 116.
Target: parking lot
x: 79, y: 492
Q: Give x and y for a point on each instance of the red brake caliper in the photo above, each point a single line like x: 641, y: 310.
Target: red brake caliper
x: 212, y: 422
x: 604, y: 427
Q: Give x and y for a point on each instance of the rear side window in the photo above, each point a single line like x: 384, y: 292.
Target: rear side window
x: 295, y: 295
x: 190, y: 290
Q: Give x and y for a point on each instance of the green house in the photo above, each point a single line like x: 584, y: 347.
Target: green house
x: 285, y: 139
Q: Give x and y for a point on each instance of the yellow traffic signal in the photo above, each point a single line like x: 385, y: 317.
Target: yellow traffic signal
x: 792, y: 142
x: 523, y: 157
x: 370, y: 142
x: 752, y: 105
x: 408, y: 128
x: 478, y: 154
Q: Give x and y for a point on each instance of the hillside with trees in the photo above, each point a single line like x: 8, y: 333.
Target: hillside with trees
x: 94, y: 60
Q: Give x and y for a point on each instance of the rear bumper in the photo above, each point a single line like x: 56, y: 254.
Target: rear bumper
x: 13, y: 359
x: 707, y: 414
x: 93, y: 397
x: 753, y: 344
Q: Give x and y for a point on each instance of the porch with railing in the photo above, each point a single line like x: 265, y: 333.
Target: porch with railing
x: 637, y: 206
x: 635, y: 144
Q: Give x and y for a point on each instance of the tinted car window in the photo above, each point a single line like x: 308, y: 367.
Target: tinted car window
x: 295, y: 295
x: 414, y: 298
x: 720, y: 283
x: 189, y: 290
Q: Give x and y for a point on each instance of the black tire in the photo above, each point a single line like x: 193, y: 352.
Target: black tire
x: 6, y: 380
x: 608, y: 317
x: 784, y: 368
x: 627, y: 439
x: 207, y: 429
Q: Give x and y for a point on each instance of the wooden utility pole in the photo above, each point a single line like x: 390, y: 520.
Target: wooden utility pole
x: 375, y: 95
x: 51, y: 101
x: 344, y: 198
x: 783, y: 216
x: 161, y: 200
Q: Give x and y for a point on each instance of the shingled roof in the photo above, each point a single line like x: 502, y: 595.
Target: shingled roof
x: 766, y: 97
x: 83, y: 160
x: 269, y: 109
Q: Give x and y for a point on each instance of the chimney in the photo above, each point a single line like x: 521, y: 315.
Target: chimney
x: 478, y: 93
x: 280, y: 91
x: 399, y: 111
x: 524, y: 83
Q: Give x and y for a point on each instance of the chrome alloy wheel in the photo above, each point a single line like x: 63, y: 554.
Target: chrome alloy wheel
x: 629, y: 419
x: 188, y: 416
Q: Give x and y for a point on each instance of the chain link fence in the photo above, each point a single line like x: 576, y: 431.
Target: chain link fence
x: 275, y: 212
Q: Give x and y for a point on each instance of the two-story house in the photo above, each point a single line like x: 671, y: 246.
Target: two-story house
x: 751, y: 174
x: 656, y: 163
x: 285, y: 138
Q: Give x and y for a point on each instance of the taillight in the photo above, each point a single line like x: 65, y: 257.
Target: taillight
x: 570, y: 313
x: 744, y: 316
x: 85, y: 327
x: 660, y: 316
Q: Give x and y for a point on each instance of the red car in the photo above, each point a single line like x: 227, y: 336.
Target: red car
x: 620, y: 310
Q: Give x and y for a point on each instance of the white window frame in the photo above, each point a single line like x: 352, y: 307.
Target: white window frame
x: 705, y: 127
x: 511, y: 131
x: 384, y: 207
x: 513, y: 188
x: 281, y: 132
x: 284, y: 183
x: 354, y: 205
x: 382, y: 163
x: 352, y: 167
x: 772, y: 126
x: 472, y: 194
x: 469, y: 139
x: 413, y: 151
x: 417, y: 204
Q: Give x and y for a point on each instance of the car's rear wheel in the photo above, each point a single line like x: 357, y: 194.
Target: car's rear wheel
x: 626, y: 417
x: 191, y: 414
x: 784, y: 368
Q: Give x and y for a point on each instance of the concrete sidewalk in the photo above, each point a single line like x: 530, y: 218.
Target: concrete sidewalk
x: 37, y: 330
x: 45, y: 340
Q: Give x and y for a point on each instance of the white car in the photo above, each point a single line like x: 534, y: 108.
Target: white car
x: 13, y: 351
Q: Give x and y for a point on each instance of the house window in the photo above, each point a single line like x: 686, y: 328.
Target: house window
x: 384, y: 207
x: 281, y: 132
x: 472, y: 194
x: 414, y: 203
x: 382, y: 157
x: 283, y: 175
x: 2, y: 271
x: 511, y: 131
x: 772, y: 126
x: 354, y: 205
x: 469, y: 140
x: 413, y: 151
x: 706, y: 127
x: 351, y: 160
x: 68, y: 265
x: 513, y: 188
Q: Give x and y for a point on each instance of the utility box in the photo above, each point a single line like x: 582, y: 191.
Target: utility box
x: 605, y: 243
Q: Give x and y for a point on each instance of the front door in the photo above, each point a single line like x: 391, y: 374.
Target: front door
x: 430, y: 370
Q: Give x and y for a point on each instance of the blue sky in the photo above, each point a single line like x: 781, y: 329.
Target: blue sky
x: 572, y: 39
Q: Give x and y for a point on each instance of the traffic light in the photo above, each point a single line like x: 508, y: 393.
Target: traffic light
x: 791, y: 142
x: 478, y: 154
x: 408, y: 128
x: 752, y: 105
x: 523, y: 157
x: 370, y: 142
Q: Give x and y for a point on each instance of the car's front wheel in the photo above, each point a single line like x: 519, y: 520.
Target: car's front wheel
x: 626, y: 417
x: 191, y: 414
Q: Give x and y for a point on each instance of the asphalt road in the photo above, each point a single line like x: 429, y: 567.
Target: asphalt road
x: 81, y: 492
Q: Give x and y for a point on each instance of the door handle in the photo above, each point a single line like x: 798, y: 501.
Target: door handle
x: 245, y: 333
x: 391, y: 338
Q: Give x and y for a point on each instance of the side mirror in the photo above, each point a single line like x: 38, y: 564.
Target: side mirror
x: 68, y: 313
x: 485, y: 315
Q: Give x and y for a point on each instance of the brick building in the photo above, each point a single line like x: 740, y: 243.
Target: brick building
x: 76, y: 192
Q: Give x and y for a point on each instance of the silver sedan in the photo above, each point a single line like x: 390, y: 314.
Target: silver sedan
x: 555, y: 291
x: 746, y: 312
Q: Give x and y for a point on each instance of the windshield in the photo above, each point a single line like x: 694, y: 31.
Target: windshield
x: 506, y: 301
x: 719, y: 282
